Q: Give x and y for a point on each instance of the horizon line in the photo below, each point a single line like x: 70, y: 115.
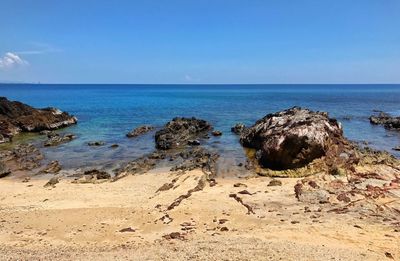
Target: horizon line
x: 40, y: 83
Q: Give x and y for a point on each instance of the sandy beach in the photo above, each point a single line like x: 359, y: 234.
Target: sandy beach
x: 128, y: 219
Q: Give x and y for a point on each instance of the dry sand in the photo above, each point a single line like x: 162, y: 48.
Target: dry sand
x: 84, y: 221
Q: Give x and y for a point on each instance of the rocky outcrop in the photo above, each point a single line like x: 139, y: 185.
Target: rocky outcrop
x: 139, y: 131
x: 293, y: 138
x: 22, y: 157
x: 179, y: 131
x: 16, y: 117
x: 386, y: 120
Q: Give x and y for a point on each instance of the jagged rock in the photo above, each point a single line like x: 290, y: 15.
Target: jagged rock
x: 52, y: 182
x: 96, y: 143
x: 238, y: 128
x: 99, y: 174
x: 58, y: 139
x: 293, y: 138
x: 386, y: 120
x: 177, y: 132
x: 4, y: 171
x: 16, y: 117
x: 216, y: 133
x: 139, y: 131
x: 52, y: 167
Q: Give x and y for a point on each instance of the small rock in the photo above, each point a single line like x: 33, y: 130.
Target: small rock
x: 216, y: 133
x: 139, y: 131
x: 238, y: 185
x: 397, y: 148
x: 52, y: 182
x: 128, y: 229
x: 245, y: 192
x: 114, y: 146
x: 275, y: 182
x: 52, y: 167
x: 224, y: 229
x: 238, y: 128
x: 173, y: 235
x: 96, y: 143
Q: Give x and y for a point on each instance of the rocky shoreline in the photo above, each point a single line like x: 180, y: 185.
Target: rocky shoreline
x: 298, y: 152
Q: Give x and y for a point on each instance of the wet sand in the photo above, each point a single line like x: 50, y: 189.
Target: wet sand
x: 130, y: 219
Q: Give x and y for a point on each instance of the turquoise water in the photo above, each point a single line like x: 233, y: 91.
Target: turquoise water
x: 108, y: 112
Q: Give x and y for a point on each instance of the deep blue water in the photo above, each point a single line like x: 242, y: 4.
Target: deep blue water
x: 108, y: 112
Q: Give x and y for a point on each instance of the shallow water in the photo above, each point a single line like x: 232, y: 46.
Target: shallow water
x: 108, y: 112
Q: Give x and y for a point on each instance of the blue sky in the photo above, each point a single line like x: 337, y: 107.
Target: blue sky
x: 280, y: 41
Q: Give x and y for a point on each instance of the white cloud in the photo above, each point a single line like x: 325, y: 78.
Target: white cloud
x: 11, y: 60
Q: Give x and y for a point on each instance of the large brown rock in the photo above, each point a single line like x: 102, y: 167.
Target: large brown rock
x: 293, y: 138
x: 179, y: 131
x: 16, y: 117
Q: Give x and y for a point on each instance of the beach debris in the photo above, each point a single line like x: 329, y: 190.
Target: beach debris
x: 139, y: 131
x: 52, y: 182
x: 4, y: 171
x: 96, y: 143
x: 275, y: 182
x: 238, y: 128
x: 53, y: 167
x: 216, y: 133
x: 16, y: 117
x: 177, y: 132
x: 293, y: 138
x: 58, y: 139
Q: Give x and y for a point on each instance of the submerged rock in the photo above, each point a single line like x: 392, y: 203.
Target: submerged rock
x: 216, y: 133
x: 96, y: 143
x: 59, y: 139
x: 386, y: 120
x: 139, y: 131
x: 177, y: 132
x: 397, y: 148
x: 16, y: 117
x: 293, y: 138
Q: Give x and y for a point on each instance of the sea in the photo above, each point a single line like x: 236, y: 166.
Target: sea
x: 107, y: 112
